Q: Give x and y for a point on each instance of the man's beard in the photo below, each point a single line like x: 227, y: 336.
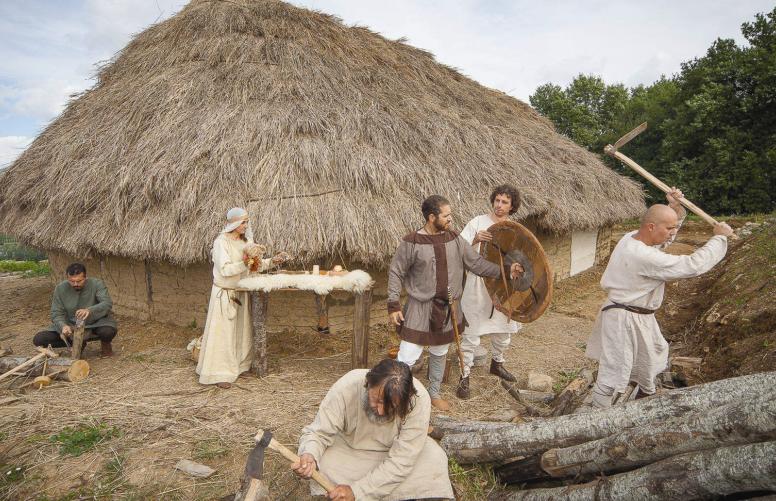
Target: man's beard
x: 374, y: 417
x: 440, y: 226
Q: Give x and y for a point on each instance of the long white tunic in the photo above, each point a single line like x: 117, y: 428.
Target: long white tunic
x: 386, y: 461
x: 226, y: 342
x: 476, y: 303
x: 629, y: 346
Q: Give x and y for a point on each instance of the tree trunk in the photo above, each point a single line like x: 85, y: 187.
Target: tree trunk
x: 563, y: 431
x: 64, y: 369
x: 359, y: 354
x: 695, y: 475
x: 442, y: 425
x: 733, y: 424
x: 259, y: 304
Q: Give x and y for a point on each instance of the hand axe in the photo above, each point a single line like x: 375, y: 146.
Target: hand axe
x: 255, y: 465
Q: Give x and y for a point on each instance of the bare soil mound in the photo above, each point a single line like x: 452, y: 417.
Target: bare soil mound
x: 728, y: 316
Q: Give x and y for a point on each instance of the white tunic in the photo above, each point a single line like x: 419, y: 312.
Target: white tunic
x: 226, y: 341
x: 475, y: 302
x: 629, y: 346
x: 379, y: 461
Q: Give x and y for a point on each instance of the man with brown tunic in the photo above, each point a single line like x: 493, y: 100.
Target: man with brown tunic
x: 427, y: 263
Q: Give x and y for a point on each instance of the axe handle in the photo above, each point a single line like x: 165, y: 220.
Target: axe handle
x: 609, y: 150
x: 283, y: 450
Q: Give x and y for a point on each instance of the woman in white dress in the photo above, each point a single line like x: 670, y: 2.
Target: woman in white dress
x: 226, y: 350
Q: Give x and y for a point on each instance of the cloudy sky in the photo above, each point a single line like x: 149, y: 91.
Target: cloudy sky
x: 50, y: 48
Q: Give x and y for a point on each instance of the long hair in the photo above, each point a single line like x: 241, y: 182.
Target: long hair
x: 398, y: 390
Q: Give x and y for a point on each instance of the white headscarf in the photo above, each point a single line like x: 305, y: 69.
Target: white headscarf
x: 234, y: 218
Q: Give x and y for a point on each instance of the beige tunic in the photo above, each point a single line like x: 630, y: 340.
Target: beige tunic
x: 226, y: 342
x: 629, y: 346
x: 388, y: 461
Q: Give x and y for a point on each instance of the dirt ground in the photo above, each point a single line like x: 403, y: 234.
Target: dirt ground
x: 148, y: 395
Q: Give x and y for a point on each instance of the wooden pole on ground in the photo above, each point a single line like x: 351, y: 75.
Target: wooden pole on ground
x: 359, y: 356
x: 66, y: 369
x: 44, y: 352
x: 259, y: 304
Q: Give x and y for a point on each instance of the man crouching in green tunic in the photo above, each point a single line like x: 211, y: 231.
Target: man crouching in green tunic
x: 79, y: 299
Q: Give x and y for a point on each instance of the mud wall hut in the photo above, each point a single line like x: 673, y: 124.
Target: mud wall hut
x: 330, y: 135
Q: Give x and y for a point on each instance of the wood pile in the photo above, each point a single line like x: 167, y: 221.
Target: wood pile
x: 696, y: 442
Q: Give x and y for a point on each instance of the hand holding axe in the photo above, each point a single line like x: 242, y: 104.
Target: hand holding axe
x: 254, y: 468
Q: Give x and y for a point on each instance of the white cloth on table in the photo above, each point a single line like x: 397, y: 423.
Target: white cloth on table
x: 227, y: 343
x: 629, y: 346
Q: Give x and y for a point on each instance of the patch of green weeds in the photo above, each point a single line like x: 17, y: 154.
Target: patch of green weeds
x: 3, y: 436
x: 564, y: 378
x: 28, y: 268
x: 140, y: 357
x: 474, y: 483
x: 192, y: 324
x: 11, y: 474
x: 209, y: 449
x: 85, y: 437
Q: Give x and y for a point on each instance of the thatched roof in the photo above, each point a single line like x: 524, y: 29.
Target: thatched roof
x: 238, y: 100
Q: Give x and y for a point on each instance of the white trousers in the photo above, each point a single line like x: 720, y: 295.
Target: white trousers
x: 409, y: 353
x: 499, y: 342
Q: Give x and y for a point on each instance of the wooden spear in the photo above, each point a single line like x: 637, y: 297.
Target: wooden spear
x: 612, y: 151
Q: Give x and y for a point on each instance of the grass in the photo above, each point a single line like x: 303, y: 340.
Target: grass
x: 76, y: 441
x: 564, y: 378
x: 474, y: 483
x: 209, y: 449
x: 27, y: 268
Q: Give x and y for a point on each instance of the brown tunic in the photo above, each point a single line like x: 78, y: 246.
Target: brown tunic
x: 426, y: 265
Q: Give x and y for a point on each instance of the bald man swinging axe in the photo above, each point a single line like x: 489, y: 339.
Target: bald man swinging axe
x: 626, y: 338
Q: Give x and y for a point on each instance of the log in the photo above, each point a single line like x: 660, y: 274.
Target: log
x: 568, y: 398
x: 259, y: 304
x: 687, y: 362
x: 444, y: 424
x: 359, y: 355
x: 733, y: 424
x: 563, y: 431
x: 517, y: 394
x: 78, y: 341
x: 64, y: 369
x: 695, y: 475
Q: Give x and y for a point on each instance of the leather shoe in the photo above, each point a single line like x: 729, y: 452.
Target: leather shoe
x: 462, y: 391
x: 497, y: 369
x: 106, y: 349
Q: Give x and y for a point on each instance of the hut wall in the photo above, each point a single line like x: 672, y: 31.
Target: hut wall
x: 558, y: 250
x: 583, y: 251
x: 180, y: 296
x: 603, y: 245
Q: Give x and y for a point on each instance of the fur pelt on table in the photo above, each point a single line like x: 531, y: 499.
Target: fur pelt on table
x: 354, y: 281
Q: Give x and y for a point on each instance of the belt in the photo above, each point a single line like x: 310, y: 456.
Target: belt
x: 627, y: 307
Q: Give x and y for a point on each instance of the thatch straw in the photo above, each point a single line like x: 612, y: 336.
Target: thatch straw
x: 232, y: 101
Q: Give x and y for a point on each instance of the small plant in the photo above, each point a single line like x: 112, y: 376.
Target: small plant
x: 11, y: 474
x: 76, y: 441
x: 193, y: 324
x: 209, y: 449
x: 564, y: 378
x: 471, y: 484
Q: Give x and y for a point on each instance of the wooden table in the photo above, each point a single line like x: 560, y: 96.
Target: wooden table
x: 359, y: 355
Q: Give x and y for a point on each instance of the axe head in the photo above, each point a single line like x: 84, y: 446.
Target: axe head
x: 254, y: 468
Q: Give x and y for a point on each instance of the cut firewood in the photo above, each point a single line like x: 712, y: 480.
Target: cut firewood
x: 74, y: 370
x: 687, y: 362
x: 517, y: 394
x: 695, y: 475
x: 442, y: 424
x: 568, y: 398
x: 563, y: 431
x: 732, y: 424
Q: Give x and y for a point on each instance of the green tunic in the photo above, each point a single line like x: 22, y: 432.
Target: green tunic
x: 94, y: 296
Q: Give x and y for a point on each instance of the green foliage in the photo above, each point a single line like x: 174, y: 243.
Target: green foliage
x: 474, y: 483
x: 85, y: 437
x: 712, y: 127
x: 10, y: 249
x: 564, y: 378
x: 30, y: 268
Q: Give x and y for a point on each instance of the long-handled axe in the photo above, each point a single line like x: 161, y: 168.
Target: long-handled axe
x: 254, y: 467
x: 612, y: 151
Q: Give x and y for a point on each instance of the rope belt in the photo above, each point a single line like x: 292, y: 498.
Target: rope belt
x: 627, y: 307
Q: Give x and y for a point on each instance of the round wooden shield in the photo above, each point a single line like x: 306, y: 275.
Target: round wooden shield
x: 525, y: 298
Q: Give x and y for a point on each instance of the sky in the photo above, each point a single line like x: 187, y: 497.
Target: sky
x: 50, y: 49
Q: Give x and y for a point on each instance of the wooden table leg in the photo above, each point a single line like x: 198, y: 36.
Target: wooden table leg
x: 259, y: 303
x: 322, y: 306
x: 359, y: 356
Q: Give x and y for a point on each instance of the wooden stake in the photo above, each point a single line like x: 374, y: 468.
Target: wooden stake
x: 359, y: 356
